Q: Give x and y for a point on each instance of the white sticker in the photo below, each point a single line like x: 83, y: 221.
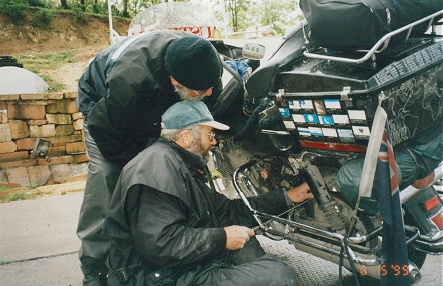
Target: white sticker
x: 357, y: 114
x: 340, y: 119
x: 289, y: 124
x: 299, y: 118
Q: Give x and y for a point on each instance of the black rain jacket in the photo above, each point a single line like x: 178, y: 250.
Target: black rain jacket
x: 165, y: 220
x: 124, y: 91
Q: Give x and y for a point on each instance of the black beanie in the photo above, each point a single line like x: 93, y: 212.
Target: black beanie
x: 193, y: 62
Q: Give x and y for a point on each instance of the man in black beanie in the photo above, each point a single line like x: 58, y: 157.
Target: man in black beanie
x: 122, y: 95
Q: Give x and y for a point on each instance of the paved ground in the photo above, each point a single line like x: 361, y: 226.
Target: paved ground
x: 39, y: 245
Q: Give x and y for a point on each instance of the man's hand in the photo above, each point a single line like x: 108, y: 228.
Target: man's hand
x: 300, y: 193
x: 237, y: 236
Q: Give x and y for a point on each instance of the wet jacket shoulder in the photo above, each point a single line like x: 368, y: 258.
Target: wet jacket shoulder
x: 124, y: 91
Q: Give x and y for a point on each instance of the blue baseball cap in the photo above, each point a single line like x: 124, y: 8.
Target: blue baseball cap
x: 187, y: 113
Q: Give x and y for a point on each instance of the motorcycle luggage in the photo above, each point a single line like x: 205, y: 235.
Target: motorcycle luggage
x: 331, y: 105
x: 359, y: 24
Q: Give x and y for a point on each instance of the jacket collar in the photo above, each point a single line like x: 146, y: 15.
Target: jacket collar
x: 191, y: 159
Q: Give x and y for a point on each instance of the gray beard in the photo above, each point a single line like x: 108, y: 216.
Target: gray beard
x: 198, y: 150
x: 183, y: 92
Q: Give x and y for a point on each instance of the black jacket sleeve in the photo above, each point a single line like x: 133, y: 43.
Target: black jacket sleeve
x: 162, y: 237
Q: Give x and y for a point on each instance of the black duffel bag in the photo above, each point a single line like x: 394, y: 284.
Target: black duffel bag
x: 360, y: 24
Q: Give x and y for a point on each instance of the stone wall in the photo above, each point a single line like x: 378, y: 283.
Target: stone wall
x: 51, y: 116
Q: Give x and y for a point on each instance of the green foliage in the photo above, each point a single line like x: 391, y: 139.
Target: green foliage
x: 43, y: 18
x: 14, y: 9
x: 78, y: 15
x: 36, y: 3
x: 20, y: 196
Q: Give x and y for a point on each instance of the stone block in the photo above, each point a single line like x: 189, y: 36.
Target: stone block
x: 56, y: 151
x: 3, y: 177
x: 62, y: 130
x: 60, y: 171
x: 79, y: 169
x: 9, y: 97
x: 14, y: 156
x: 39, y: 175
x: 26, y: 111
x: 37, y: 122
x: 75, y: 148
x: 80, y: 158
x: 77, y: 116
x: 40, y: 96
x: 19, y: 129
x: 56, y: 160
x: 42, y: 131
x: 25, y: 144
x: 2, y: 105
x: 70, y: 94
x: 32, y: 102
x: 18, y: 175
x: 62, y: 106
x: 78, y: 124
x: 7, y: 147
x: 16, y: 164
x: 5, y: 132
x: 3, y: 117
x: 66, y: 139
x: 59, y: 118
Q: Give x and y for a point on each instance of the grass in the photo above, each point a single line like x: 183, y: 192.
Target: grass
x: 20, y: 193
x: 44, y: 62
x: 15, y: 192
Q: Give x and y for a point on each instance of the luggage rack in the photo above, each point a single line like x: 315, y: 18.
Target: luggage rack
x: 383, y: 43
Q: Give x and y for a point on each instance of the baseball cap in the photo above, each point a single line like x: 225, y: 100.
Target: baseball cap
x: 187, y: 113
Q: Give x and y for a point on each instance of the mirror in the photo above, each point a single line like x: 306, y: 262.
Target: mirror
x: 253, y: 51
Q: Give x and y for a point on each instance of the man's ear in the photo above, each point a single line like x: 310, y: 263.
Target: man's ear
x: 185, y: 139
x: 173, y: 81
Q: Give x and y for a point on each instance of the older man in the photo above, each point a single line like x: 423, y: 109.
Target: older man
x: 168, y: 226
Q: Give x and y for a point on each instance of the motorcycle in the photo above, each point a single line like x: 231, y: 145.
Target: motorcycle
x: 306, y: 115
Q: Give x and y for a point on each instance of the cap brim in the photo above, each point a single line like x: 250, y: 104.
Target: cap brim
x: 215, y: 125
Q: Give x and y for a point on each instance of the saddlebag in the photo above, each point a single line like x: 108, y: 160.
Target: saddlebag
x: 360, y: 24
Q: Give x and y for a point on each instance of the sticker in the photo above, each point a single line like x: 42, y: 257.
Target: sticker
x: 346, y: 135
x: 319, y: 107
x: 289, y: 124
x: 340, y: 119
x: 304, y: 132
x: 311, y: 118
x: 306, y: 104
x: 294, y: 104
x: 285, y: 112
x: 299, y: 118
x: 329, y: 132
x: 332, y: 104
x: 357, y: 115
x: 315, y: 131
x: 361, y: 132
x: 326, y: 120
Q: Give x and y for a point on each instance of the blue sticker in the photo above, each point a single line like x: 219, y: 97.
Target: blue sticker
x: 285, y: 112
x: 311, y: 118
x: 326, y: 120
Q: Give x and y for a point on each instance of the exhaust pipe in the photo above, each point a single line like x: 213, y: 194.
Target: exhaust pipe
x: 414, y: 273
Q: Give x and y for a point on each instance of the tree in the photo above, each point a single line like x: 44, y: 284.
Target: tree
x: 64, y: 4
x: 235, y: 9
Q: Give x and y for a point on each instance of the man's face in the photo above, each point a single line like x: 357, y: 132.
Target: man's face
x: 205, y: 141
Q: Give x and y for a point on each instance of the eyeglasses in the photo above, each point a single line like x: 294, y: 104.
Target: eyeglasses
x: 211, y: 136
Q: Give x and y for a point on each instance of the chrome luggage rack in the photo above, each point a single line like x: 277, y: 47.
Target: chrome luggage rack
x: 382, y: 43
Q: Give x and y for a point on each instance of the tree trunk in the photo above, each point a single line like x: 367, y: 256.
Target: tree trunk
x: 64, y: 4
